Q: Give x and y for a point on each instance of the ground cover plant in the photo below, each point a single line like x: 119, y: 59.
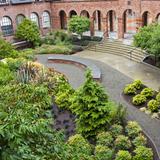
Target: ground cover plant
x: 146, y: 99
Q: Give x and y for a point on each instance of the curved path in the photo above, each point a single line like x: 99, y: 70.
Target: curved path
x: 114, y: 82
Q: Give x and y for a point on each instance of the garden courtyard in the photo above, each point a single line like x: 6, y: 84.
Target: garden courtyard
x: 59, y: 100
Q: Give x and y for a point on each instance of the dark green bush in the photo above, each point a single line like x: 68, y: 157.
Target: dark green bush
x: 140, y: 140
x: 133, y: 129
x: 123, y: 155
x: 129, y: 89
x: 103, y: 153
x: 143, y: 153
x: 139, y: 99
x: 122, y: 142
x: 116, y: 130
x: 105, y: 139
x: 153, y: 105
x: 147, y: 92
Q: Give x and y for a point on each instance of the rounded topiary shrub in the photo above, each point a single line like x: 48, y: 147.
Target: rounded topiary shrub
x: 105, y: 138
x: 140, y: 140
x: 147, y: 92
x: 133, y: 129
x: 78, y: 143
x: 123, y: 155
x: 139, y: 99
x: 153, y: 105
x: 129, y: 90
x: 122, y: 142
x: 116, y: 130
x: 137, y: 84
x: 103, y: 153
x: 143, y: 153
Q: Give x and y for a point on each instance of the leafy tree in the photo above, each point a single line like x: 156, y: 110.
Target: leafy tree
x: 79, y: 25
x: 28, y: 30
x: 90, y: 104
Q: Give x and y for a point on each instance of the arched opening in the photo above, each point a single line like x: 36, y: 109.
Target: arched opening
x: 129, y: 21
x: 112, y: 21
x: 7, y: 26
x: 19, y: 18
x: 158, y: 18
x: 145, y: 18
x: 85, y: 13
x: 97, y: 20
x: 72, y: 13
x: 34, y: 18
x: 63, y: 19
x: 46, y: 21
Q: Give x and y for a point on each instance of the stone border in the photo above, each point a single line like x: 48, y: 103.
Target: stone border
x: 80, y: 62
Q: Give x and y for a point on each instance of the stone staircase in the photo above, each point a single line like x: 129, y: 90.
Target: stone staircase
x: 117, y: 47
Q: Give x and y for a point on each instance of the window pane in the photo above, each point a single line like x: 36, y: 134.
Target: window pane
x: 6, y: 26
x: 46, y: 20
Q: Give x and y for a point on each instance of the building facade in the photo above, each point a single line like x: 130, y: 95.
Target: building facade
x: 118, y: 16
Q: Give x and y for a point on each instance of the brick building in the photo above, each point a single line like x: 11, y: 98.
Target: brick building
x: 118, y: 16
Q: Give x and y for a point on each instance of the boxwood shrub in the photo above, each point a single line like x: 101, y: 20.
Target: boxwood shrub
x: 129, y: 89
x: 139, y: 99
x: 123, y: 155
x: 147, y: 92
x: 153, y: 105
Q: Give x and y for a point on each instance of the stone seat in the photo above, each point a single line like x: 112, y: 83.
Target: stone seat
x: 80, y: 62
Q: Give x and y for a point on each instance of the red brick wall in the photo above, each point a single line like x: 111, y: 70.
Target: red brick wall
x: 119, y: 6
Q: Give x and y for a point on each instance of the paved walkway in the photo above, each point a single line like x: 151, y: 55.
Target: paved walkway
x: 134, y: 70
x: 114, y: 80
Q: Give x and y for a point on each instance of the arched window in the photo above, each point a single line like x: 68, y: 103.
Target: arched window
x: 34, y: 18
x: 19, y: 19
x: 6, y: 26
x: 46, y: 23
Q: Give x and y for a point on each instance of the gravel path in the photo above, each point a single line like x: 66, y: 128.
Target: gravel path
x: 114, y: 82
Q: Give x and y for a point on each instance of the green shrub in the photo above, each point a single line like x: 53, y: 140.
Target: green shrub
x: 137, y: 84
x: 7, y: 50
x: 123, y: 155
x: 52, y: 49
x: 116, y: 130
x: 158, y: 97
x: 139, y: 99
x: 103, y: 153
x: 147, y: 92
x: 140, y: 141
x: 29, y: 31
x: 27, y: 106
x: 63, y: 96
x: 90, y: 104
x: 79, y: 144
x: 129, y: 89
x: 122, y: 142
x: 5, y: 74
x: 133, y: 129
x: 153, y: 105
x: 14, y: 64
x: 104, y: 139
x: 143, y: 153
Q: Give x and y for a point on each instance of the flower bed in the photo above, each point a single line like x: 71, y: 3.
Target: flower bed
x: 143, y: 98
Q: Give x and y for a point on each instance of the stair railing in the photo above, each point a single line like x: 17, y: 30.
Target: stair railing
x: 102, y: 41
